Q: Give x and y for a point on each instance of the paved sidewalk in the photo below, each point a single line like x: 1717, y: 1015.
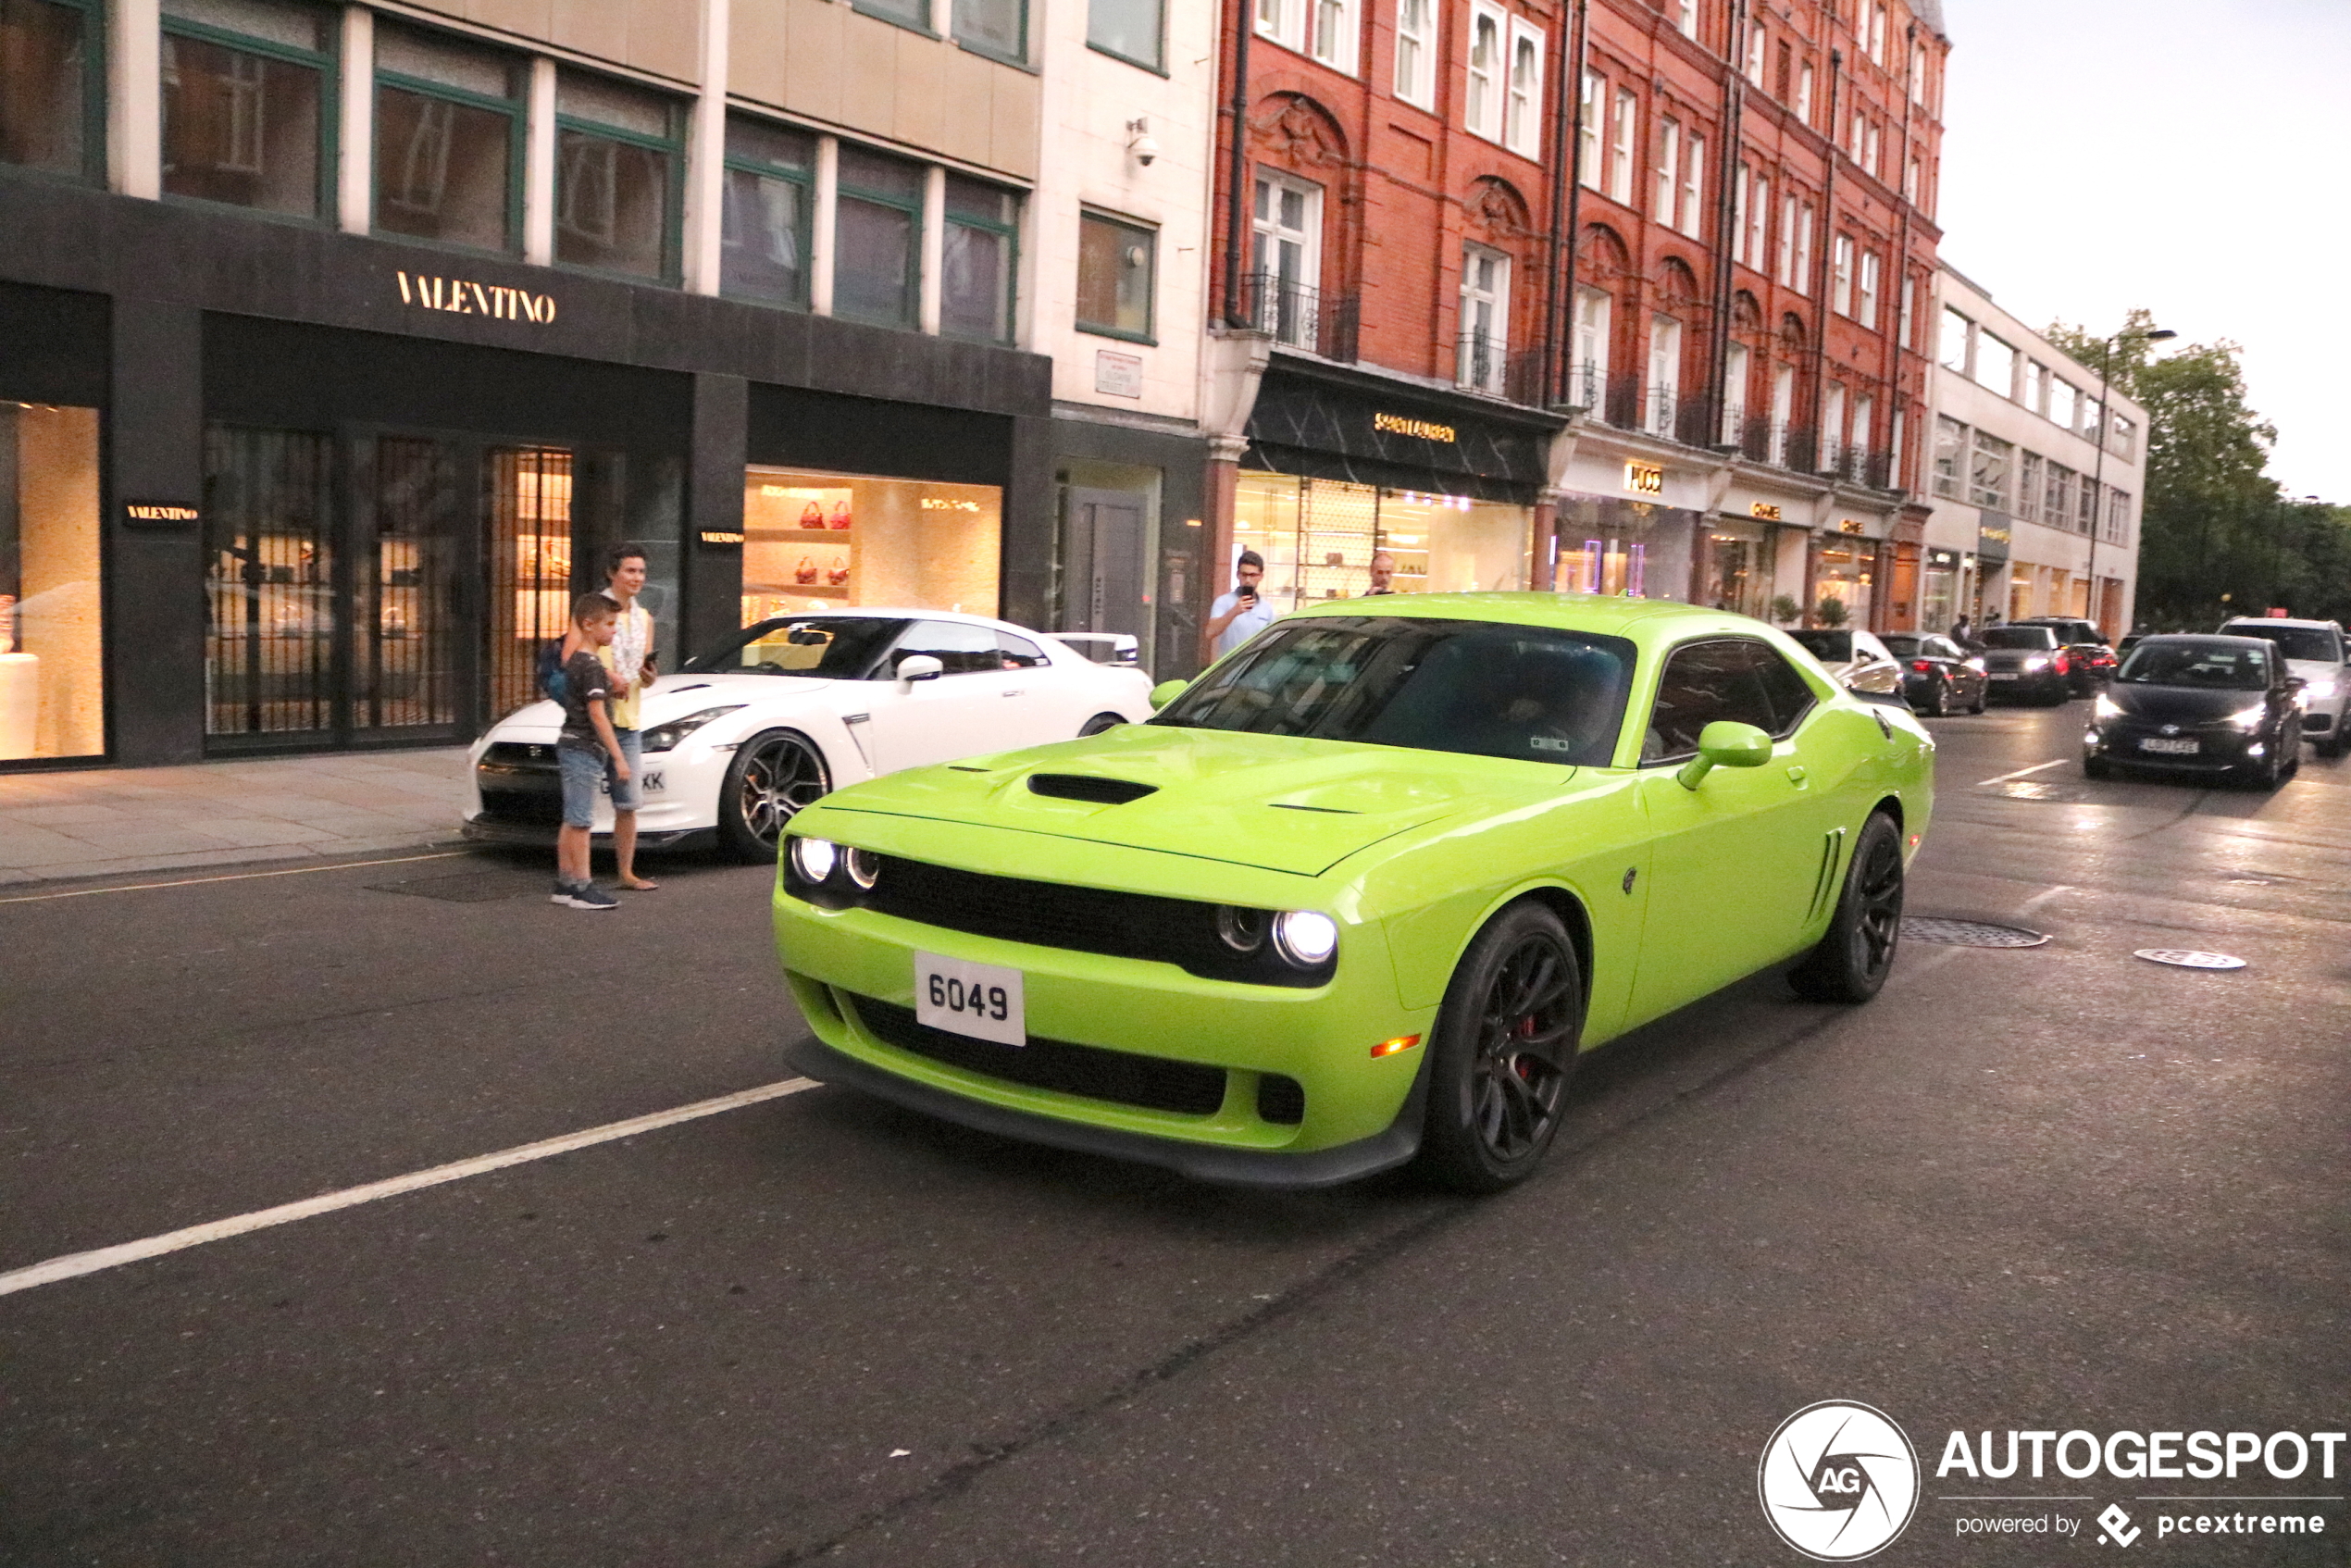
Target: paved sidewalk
x: 106, y: 821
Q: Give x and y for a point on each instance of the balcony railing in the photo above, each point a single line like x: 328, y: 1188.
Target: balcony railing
x: 1484, y: 362
x: 1302, y: 317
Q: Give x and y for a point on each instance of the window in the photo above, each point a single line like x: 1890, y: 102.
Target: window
x: 763, y: 234
x: 1693, y: 186
x: 2064, y: 403
x: 1686, y: 17
x: 1802, y: 282
x: 1589, y: 374
x: 997, y: 27
x: 1911, y: 182
x: 1909, y: 308
x: 1841, y: 274
x: 1739, y: 188
x: 1588, y: 128
x: 243, y: 85
x: 1877, y: 35
x: 1665, y: 374
x: 616, y: 162
x: 1117, y: 262
x: 1782, y: 409
x: 976, y: 263
x: 1950, y: 445
x: 2086, y: 512
x: 51, y: 607
x: 1758, y: 220
x: 905, y: 13
x: 1995, y: 364
x: 2118, y: 518
x: 1285, y: 258
x: 1523, y: 117
x: 877, y: 222
x: 1738, y: 679
x: 1416, y: 53
x: 1894, y: 476
x: 1668, y: 167
x: 1864, y: 422
x: 1987, y: 479
x: 1832, y: 426
x: 2057, y: 496
x: 1483, y: 352
x: 2125, y: 438
x: 1952, y: 352
x: 2029, y: 483
x: 1873, y: 146
x: 1804, y: 94
x: 1620, y: 174
x: 1323, y: 29
x: 48, y: 91
x: 1135, y: 31
x: 449, y: 140
x: 1735, y: 359
x: 1482, y: 106
x: 1918, y: 73
x: 1756, y: 44
x: 1853, y: 148
x: 1867, y: 314
x: 1786, y: 272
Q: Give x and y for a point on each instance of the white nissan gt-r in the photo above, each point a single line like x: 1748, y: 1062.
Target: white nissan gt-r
x: 747, y: 734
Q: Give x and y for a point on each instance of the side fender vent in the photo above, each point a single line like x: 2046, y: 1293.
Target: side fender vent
x: 1088, y: 787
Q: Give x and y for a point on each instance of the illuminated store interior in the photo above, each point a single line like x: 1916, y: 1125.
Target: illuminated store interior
x: 815, y: 541
x: 1318, y: 536
x: 52, y: 667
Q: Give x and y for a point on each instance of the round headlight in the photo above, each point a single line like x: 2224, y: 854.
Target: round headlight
x: 1305, y: 937
x: 814, y: 858
x: 1243, y: 930
x: 864, y: 866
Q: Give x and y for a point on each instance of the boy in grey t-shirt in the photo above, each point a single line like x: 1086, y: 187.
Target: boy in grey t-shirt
x: 588, y: 753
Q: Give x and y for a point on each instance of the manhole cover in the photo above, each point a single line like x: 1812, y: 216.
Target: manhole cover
x: 469, y: 887
x: 1968, y: 933
x: 2181, y: 958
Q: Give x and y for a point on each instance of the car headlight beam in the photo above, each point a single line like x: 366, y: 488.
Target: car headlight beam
x: 2249, y: 718
x: 814, y: 858
x: 1306, y: 937
x: 2106, y: 707
x: 2036, y: 662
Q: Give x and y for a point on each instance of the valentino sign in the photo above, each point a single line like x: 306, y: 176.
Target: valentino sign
x: 462, y: 296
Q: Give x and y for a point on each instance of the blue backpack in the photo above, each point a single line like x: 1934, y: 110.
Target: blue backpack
x: 552, y: 679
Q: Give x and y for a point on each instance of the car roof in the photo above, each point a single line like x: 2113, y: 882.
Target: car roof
x: 2200, y: 638
x: 2278, y: 620
x: 1652, y: 621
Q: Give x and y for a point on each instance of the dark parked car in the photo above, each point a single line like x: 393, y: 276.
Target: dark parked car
x: 1938, y: 676
x: 2088, y: 660
x: 2213, y: 706
x: 2026, y: 663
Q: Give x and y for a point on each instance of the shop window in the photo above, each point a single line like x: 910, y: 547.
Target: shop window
x: 976, y: 261
x: 878, y: 223
x: 1115, y: 264
x: 998, y: 28
x: 449, y: 140
x: 48, y: 86
x: 243, y: 86
x: 815, y: 541
x: 770, y: 196
x: 1318, y: 536
x: 52, y: 667
x: 618, y: 155
x: 1135, y: 31
x: 269, y: 580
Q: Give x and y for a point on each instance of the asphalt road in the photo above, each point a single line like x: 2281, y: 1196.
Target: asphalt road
x: 2057, y: 1188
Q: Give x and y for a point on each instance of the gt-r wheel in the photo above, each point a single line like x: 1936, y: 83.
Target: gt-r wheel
x: 772, y: 777
x: 1502, y: 1053
x: 1098, y: 723
x: 1854, y: 958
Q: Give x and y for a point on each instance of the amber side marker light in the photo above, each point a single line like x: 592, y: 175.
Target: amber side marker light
x: 1390, y: 1046
x: 1914, y: 839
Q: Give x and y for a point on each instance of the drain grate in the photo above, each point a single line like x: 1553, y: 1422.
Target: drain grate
x: 1939, y: 932
x: 2184, y: 958
x: 469, y: 887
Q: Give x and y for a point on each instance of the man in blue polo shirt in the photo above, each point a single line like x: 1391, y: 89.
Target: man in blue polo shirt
x: 1242, y: 614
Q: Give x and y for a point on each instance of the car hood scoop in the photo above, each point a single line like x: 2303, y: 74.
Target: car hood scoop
x: 1276, y: 801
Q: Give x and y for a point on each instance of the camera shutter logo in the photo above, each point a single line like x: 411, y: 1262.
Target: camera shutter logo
x: 1839, y: 1481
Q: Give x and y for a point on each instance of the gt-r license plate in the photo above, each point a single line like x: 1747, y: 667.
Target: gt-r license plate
x: 979, y: 999
x: 2180, y: 748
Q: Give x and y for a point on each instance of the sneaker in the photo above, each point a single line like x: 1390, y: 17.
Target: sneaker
x: 562, y: 893
x: 590, y: 896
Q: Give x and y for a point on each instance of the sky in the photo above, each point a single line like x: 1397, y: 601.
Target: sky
x: 2193, y: 156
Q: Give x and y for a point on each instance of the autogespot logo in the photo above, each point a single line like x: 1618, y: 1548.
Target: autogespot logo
x: 1838, y: 1480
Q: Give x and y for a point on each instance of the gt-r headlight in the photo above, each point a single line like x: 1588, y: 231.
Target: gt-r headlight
x: 666, y: 736
x: 2036, y: 662
x: 814, y: 858
x: 1307, y: 938
x: 2106, y: 707
x: 2249, y: 718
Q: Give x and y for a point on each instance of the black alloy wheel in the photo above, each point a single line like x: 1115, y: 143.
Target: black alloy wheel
x: 774, y: 775
x: 1853, y: 960
x: 1983, y: 690
x: 1938, y: 702
x: 1098, y: 723
x: 1503, y: 1051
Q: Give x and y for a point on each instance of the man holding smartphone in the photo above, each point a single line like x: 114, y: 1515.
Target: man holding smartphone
x: 1242, y: 614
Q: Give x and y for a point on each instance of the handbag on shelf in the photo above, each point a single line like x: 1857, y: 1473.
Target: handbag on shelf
x: 806, y: 570
x: 813, y: 515
x: 838, y: 573
x: 840, y: 514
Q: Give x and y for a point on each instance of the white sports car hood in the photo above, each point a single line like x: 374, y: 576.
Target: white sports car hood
x: 673, y: 696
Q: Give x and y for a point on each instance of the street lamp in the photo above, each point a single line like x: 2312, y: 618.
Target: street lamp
x: 2097, y: 477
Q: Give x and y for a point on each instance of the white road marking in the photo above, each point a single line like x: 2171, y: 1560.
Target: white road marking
x: 235, y: 876
x: 75, y: 1265
x: 2037, y: 767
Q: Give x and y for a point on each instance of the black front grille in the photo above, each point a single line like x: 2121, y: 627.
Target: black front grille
x: 520, y: 782
x: 532, y: 807
x: 531, y: 757
x: 1119, y: 1077
x: 1280, y: 1099
x: 1178, y: 931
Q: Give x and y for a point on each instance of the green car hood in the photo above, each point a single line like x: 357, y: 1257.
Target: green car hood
x: 1274, y: 801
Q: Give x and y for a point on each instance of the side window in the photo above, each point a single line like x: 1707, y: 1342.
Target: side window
x: 1706, y: 682
x: 960, y: 649
x: 1018, y: 652
x: 1791, y: 699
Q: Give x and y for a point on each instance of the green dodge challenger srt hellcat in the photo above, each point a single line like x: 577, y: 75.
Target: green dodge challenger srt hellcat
x: 1360, y: 892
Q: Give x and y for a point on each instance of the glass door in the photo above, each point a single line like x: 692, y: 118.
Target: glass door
x: 271, y: 644
x: 409, y: 534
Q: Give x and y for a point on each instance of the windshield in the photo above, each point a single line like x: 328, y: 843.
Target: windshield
x: 1528, y: 692
x: 2039, y: 638
x: 1901, y: 647
x: 1829, y: 647
x: 2219, y: 666
x: 2312, y: 642
x: 821, y: 647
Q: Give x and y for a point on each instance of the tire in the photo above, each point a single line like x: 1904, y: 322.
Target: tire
x: 1502, y: 1053
x: 1853, y: 959
x: 1981, y: 687
x: 2331, y: 747
x: 774, y: 775
x: 2096, y: 767
x: 1938, y: 705
x: 1098, y: 723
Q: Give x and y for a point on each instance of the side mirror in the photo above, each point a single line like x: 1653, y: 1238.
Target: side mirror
x: 1167, y: 691
x: 1725, y: 743
x: 917, y: 666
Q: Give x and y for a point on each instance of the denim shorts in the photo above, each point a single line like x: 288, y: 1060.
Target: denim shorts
x: 587, y: 770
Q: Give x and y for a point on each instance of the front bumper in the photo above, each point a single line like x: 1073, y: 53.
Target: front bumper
x: 2037, y: 686
x: 2219, y: 751
x: 518, y: 796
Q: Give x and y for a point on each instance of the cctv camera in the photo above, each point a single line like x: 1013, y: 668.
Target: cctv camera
x: 1145, y: 149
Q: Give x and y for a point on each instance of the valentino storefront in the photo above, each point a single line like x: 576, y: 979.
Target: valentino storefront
x: 1343, y: 462
x: 266, y: 487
